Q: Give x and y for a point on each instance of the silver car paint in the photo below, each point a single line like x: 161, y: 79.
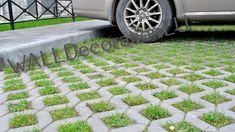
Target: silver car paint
x: 194, y: 10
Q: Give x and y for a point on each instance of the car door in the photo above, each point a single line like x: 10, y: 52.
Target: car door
x: 91, y: 8
x: 208, y: 5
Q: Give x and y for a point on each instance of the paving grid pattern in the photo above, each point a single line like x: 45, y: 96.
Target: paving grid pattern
x: 216, y: 54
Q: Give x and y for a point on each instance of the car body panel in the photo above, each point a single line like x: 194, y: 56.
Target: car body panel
x: 193, y: 10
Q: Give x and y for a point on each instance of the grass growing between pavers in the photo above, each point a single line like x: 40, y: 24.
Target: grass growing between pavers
x: 215, y: 98
x: 23, y: 120
x: 78, y: 86
x: 63, y: 113
x: 21, y: 106
x: 106, y: 82
x: 89, y: 95
x: 217, y: 119
x: 171, y: 82
x: 182, y: 126
x: 155, y: 112
x: 231, y: 78
x: 232, y: 91
x: 118, y: 90
x: 214, y: 84
x: 47, y: 90
x: 186, y: 60
x: 155, y: 75
x: 118, y: 120
x: 190, y: 89
x: 13, y: 85
x: 146, y: 86
x: 213, y: 72
x: 187, y: 105
x: 101, y: 106
x: 164, y: 95
x: 131, y: 79
x: 132, y: 100
x: 55, y: 100
x: 19, y: 95
x: 80, y: 126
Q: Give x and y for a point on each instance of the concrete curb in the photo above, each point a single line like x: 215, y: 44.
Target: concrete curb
x: 15, y: 53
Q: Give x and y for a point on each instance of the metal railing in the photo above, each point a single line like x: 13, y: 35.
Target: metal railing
x: 54, y: 9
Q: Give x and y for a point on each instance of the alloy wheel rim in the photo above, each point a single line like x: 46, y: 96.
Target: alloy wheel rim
x: 142, y: 17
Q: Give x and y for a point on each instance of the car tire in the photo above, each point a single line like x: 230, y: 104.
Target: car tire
x: 130, y: 19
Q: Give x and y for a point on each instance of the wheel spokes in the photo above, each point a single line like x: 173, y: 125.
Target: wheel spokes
x: 142, y: 16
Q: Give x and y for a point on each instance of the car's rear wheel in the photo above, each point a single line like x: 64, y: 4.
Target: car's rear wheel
x: 144, y: 20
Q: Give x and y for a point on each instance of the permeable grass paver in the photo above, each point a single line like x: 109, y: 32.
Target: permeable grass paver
x: 140, y: 70
x: 214, y: 72
x: 190, y: 89
x: 55, y: 100
x: 43, y: 82
x: 13, y: 85
x: 171, y: 82
x: 106, y: 82
x: 118, y: 90
x: 155, y: 112
x: 49, y: 90
x: 160, y: 67
x: 155, y: 75
x: 96, y: 76
x: 195, y: 67
x: 20, y: 95
x: 118, y: 120
x: 231, y: 78
x: 11, y: 76
x: 101, y: 106
x: 39, y: 77
x: 233, y: 109
x: 63, y: 113
x: 215, y: 98
x: 146, y: 86
x: 230, y: 69
x: 164, y: 95
x: 64, y: 73
x: 71, y: 79
x: 81, y: 66
x: 87, y: 70
x: 182, y: 126
x: 134, y: 100
x: 80, y: 126
x: 193, y: 77
x: 23, y: 120
x: 109, y: 68
x: 187, y: 105
x: 214, y: 84
x: 21, y: 106
x: 176, y: 71
x: 131, y: 79
x: 120, y: 73
x: 231, y: 91
x: 78, y: 86
x: 216, y: 119
x: 128, y: 65
x: 89, y: 95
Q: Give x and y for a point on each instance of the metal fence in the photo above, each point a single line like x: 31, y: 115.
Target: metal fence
x: 34, y: 10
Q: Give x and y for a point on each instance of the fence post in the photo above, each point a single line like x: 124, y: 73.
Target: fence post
x: 73, y: 15
x: 56, y: 8
x: 11, y: 14
x: 36, y: 6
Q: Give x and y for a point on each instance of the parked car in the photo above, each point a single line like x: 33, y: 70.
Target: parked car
x: 150, y: 20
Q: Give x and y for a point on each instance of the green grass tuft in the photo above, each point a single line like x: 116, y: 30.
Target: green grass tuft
x: 171, y: 82
x: 182, y: 126
x: 21, y: 106
x: 101, y: 107
x: 187, y: 105
x: 106, y: 82
x: 23, y: 120
x: 216, y: 119
x: 155, y: 112
x: 118, y: 90
x: 146, y: 86
x: 214, y: 84
x: 190, y: 89
x: 131, y: 79
x: 63, y: 113
x: 55, y: 100
x: 215, y: 98
x: 16, y: 96
x: 89, y: 95
x: 118, y: 120
x: 78, y: 86
x: 80, y: 126
x: 134, y: 100
x: 164, y: 95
